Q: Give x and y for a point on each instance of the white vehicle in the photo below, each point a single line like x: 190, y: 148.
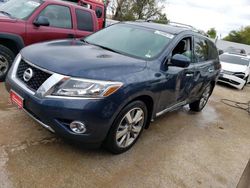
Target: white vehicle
x: 235, y: 70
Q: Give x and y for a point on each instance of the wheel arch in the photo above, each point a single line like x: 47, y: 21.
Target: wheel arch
x: 13, y: 42
x: 149, y: 102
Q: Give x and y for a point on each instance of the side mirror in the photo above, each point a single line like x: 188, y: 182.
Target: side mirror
x: 179, y: 60
x: 41, y: 21
x: 220, y: 52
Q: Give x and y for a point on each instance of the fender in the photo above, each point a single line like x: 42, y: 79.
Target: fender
x: 132, y: 96
x: 15, y: 38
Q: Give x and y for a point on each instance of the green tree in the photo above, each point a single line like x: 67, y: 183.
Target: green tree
x: 212, y: 33
x: 124, y: 10
x: 240, y: 36
x: 162, y: 19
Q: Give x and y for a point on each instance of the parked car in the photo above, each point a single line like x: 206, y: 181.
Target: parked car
x: 24, y: 22
x: 109, y: 86
x: 96, y: 5
x: 235, y: 70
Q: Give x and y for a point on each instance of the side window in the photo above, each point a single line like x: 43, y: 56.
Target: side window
x: 184, y: 47
x: 200, y: 49
x: 84, y: 20
x: 98, y: 12
x: 212, y: 51
x: 59, y: 16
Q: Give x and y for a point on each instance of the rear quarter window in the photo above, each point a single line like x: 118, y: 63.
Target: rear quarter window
x: 212, y: 51
x: 201, y: 49
x: 98, y: 12
x: 84, y: 20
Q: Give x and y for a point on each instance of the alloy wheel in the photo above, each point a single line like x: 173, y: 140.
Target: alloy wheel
x: 130, y: 127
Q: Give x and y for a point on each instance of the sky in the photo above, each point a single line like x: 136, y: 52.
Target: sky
x: 223, y: 15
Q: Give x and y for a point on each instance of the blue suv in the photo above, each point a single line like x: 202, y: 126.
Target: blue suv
x: 108, y: 87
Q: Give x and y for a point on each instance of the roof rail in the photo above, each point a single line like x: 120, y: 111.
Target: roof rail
x: 177, y: 24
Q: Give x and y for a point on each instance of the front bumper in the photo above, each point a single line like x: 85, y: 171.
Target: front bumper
x: 232, y: 80
x: 55, y: 114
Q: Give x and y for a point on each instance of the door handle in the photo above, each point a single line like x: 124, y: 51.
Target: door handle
x: 71, y: 36
x: 210, y: 70
x: 189, y: 74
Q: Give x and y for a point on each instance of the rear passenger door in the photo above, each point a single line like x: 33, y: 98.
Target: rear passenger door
x: 206, y: 56
x: 85, y: 23
x: 61, y: 25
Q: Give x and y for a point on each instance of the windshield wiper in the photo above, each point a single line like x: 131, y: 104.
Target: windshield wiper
x: 107, y: 48
x: 6, y: 13
x: 83, y: 40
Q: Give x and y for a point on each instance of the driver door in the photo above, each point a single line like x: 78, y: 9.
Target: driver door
x: 61, y: 26
x: 179, y: 81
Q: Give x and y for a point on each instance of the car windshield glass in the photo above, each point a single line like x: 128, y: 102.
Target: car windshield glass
x: 130, y: 40
x: 234, y: 59
x: 20, y: 9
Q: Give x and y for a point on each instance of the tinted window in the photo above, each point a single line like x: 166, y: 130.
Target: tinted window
x: 201, y: 50
x: 212, y: 51
x: 84, y: 20
x: 234, y: 59
x: 59, y: 16
x: 98, y: 12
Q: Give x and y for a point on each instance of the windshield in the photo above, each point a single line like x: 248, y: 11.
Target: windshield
x: 20, y: 9
x: 234, y: 59
x: 130, y: 40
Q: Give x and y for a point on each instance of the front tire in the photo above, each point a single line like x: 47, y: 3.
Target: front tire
x: 6, y: 59
x: 127, y: 128
x: 198, y: 105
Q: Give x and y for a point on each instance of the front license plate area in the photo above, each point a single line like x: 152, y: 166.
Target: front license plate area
x: 16, y: 99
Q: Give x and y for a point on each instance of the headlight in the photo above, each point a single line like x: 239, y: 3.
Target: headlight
x: 86, y: 88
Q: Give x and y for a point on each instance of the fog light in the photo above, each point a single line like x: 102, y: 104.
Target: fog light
x: 78, y: 127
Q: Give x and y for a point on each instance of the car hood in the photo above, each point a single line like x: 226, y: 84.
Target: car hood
x: 233, y: 67
x: 77, y: 59
x: 4, y: 18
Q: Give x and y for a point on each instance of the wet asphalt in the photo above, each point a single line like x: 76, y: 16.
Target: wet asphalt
x: 180, y: 149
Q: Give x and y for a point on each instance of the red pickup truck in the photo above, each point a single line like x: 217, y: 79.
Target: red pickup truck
x: 24, y: 22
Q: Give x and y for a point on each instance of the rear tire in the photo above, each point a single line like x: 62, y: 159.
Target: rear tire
x: 198, y: 105
x: 127, y: 128
x: 6, y: 59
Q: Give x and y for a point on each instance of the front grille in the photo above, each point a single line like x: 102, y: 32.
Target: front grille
x: 228, y: 80
x: 39, y: 76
